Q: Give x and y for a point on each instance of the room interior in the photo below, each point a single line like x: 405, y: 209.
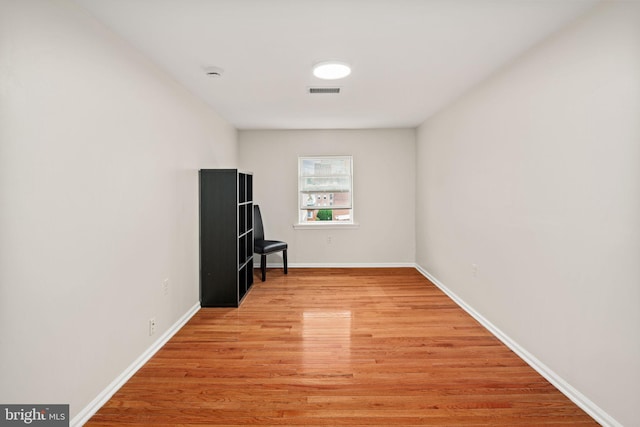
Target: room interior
x: 508, y: 170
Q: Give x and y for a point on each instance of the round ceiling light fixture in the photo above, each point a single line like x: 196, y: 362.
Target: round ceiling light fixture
x: 331, y: 70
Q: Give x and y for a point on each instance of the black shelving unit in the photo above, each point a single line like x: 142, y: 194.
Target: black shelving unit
x: 226, y: 237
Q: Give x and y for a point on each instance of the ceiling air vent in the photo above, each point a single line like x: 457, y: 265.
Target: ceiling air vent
x: 324, y: 90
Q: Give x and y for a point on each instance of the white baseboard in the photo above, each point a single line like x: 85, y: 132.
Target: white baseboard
x: 93, y: 407
x: 340, y: 265
x: 597, y: 413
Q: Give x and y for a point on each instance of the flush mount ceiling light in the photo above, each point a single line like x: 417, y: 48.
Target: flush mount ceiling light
x: 331, y: 70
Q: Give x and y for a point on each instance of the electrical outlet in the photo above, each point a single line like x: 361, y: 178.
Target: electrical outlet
x: 165, y: 287
x: 329, y: 239
x: 474, y: 270
x: 152, y: 326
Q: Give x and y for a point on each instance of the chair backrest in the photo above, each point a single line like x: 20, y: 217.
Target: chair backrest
x: 258, y: 230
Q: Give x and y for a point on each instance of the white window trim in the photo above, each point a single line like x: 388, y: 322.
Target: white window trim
x: 326, y: 225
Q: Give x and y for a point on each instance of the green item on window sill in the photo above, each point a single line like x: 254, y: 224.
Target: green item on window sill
x: 324, y: 215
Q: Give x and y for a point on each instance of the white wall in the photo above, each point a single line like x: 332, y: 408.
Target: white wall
x: 99, y: 155
x: 384, y: 191
x: 535, y: 177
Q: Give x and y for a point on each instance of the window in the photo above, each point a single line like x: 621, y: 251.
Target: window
x: 325, y: 190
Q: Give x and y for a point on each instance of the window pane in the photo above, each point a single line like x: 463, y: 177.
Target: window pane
x: 311, y: 215
x: 324, y: 189
x: 325, y: 200
x: 326, y: 167
x: 325, y: 183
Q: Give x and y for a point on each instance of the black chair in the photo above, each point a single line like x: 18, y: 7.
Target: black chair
x: 265, y: 247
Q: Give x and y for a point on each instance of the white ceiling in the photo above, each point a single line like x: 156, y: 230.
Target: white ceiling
x: 410, y: 58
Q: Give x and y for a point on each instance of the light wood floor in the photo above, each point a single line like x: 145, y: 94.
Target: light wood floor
x: 332, y: 347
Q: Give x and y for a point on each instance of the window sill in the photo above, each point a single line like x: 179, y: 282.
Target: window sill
x: 321, y: 225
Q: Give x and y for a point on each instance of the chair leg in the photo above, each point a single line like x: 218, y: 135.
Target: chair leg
x: 263, y: 266
x: 284, y: 258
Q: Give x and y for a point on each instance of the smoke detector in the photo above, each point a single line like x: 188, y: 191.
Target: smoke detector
x: 213, y: 71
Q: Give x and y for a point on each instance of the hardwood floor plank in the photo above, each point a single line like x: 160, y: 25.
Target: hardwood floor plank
x: 339, y: 347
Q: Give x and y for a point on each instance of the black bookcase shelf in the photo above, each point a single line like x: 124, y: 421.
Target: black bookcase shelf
x: 226, y: 223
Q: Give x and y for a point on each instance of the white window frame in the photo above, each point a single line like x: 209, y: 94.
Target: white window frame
x: 300, y: 223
